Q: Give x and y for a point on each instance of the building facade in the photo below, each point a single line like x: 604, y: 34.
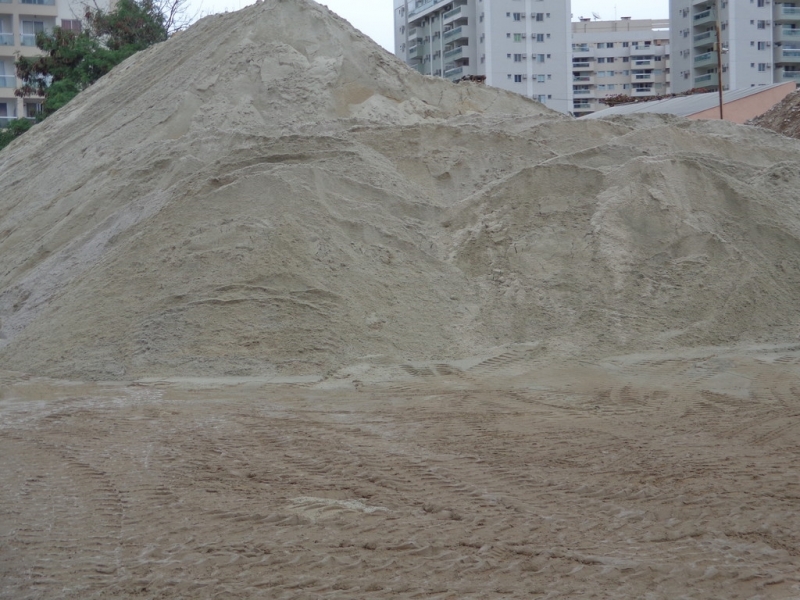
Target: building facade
x: 609, y: 58
x: 522, y: 46
x: 760, y: 40
x: 20, y: 21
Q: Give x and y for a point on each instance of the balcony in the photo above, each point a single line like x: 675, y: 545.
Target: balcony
x: 787, y: 55
x: 641, y: 51
x: 454, y: 53
x: 581, y: 92
x: 786, y: 34
x: 6, y: 39
x: 642, y: 77
x: 706, y: 59
x: 704, y: 18
x: 415, y: 51
x: 707, y: 80
x: 582, y: 66
x: 454, y: 34
x: 641, y: 63
x: 789, y: 76
x: 583, y: 79
x: 451, y: 14
x: 454, y: 72
x: 424, y: 6
x: 39, y: 2
x: 707, y: 38
x: 643, y: 92
x: 787, y: 13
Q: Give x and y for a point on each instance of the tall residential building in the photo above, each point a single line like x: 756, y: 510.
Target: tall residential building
x: 519, y: 45
x: 618, y: 57
x: 20, y: 21
x: 760, y: 38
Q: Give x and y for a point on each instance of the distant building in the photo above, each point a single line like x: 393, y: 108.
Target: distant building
x: 519, y: 45
x: 609, y: 58
x: 20, y: 21
x: 761, y: 39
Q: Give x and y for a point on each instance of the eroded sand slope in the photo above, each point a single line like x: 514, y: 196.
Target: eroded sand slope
x: 270, y: 193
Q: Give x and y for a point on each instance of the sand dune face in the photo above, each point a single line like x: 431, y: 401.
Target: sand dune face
x: 269, y: 192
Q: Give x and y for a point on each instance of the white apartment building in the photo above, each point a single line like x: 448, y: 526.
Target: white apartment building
x: 761, y: 42
x: 628, y: 57
x: 20, y: 21
x: 519, y: 45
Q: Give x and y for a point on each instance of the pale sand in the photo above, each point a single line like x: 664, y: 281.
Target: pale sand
x: 373, y: 334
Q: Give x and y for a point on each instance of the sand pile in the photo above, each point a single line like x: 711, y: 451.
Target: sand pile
x: 270, y: 192
x: 784, y: 117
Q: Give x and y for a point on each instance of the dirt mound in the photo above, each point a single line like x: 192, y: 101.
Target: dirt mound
x: 784, y: 117
x: 270, y: 192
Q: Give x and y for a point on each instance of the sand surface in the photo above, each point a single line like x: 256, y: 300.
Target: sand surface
x: 282, y: 318
x: 657, y: 477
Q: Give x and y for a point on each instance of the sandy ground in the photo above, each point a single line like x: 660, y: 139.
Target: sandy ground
x: 635, y: 477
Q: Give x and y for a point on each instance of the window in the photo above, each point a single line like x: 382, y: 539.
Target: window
x: 609, y: 44
x: 762, y: 67
x: 539, y: 37
x: 540, y: 58
x: 601, y: 59
x: 518, y: 57
x: 625, y: 44
x: 29, y: 31
x: 762, y: 45
x: 518, y: 37
x: 610, y: 59
x: 601, y: 87
x: 761, y: 25
x: 539, y: 16
x: 517, y: 16
x: 540, y: 78
x: 517, y: 78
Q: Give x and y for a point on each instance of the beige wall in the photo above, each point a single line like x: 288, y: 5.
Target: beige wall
x: 740, y: 111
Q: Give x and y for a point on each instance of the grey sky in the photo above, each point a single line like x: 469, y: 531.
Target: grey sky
x: 374, y: 17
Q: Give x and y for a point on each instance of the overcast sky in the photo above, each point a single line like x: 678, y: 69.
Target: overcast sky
x: 374, y: 17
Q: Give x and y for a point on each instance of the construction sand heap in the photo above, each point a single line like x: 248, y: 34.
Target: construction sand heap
x: 269, y: 192
x: 784, y: 117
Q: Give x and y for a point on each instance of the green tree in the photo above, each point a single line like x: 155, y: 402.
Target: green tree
x: 73, y: 61
x: 15, y: 129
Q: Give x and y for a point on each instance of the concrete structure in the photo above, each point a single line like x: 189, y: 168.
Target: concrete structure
x: 20, y: 21
x: 738, y: 106
x: 519, y: 45
x: 761, y: 38
x: 618, y: 57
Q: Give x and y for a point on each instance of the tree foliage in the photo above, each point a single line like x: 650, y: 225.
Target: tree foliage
x: 73, y: 61
x: 15, y: 129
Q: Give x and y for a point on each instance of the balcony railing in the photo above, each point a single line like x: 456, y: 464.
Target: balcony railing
x: 40, y: 2
x: 707, y: 16
x: 454, y: 52
x: 582, y: 78
x: 792, y: 75
x: 581, y: 92
x: 581, y: 65
x: 790, y: 11
x: 454, y: 71
x: 424, y: 6
x: 8, y: 81
x: 706, y: 80
x: 28, y: 39
x: 708, y: 37
x: 452, y: 13
x: 453, y: 32
x: 642, y: 63
x: 791, y: 55
x: 6, y: 39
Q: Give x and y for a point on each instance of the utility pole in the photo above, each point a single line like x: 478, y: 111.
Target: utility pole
x: 718, y: 47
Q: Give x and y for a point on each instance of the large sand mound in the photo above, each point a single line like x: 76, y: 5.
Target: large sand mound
x: 270, y: 192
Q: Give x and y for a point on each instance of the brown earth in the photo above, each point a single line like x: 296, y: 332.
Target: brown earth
x: 659, y: 477
x: 783, y: 118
